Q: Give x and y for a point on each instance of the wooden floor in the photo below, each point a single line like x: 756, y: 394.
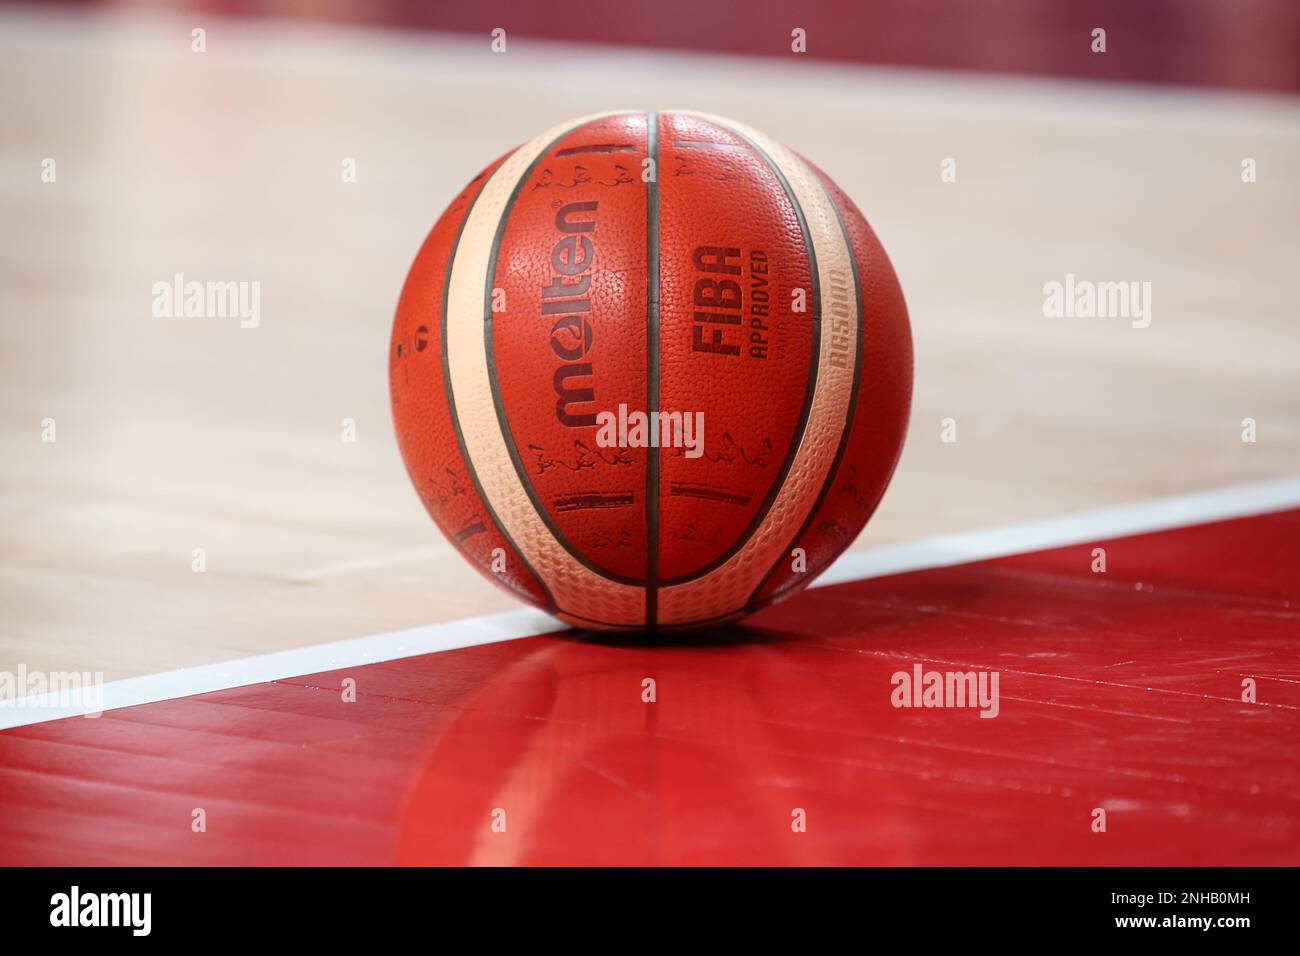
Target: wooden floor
x: 176, y: 434
x: 1119, y: 692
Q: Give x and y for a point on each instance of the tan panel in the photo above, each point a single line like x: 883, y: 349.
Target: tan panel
x: 577, y: 589
x: 725, y: 589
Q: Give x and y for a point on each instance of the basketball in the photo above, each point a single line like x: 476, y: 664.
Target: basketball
x: 651, y: 371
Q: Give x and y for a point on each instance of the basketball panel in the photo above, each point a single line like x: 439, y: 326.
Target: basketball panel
x: 880, y: 412
x: 567, y: 339
x: 422, y: 419
x: 738, y: 335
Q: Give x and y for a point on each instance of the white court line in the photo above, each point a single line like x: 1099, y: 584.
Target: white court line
x: 1237, y: 501
x: 354, y: 652
x: 1158, y: 514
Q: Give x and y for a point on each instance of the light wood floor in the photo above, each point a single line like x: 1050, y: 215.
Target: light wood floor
x: 177, y: 434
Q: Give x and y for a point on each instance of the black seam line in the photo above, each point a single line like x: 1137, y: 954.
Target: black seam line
x: 718, y: 620
x: 604, y: 625
x: 809, y: 391
x: 502, y: 422
x: 451, y: 400
x: 652, y: 370
x: 848, y: 417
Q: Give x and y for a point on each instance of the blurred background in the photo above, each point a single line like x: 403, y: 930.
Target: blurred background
x: 1252, y: 44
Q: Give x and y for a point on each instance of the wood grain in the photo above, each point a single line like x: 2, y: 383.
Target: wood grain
x: 175, y: 434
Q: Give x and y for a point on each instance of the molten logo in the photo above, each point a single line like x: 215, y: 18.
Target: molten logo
x: 568, y: 296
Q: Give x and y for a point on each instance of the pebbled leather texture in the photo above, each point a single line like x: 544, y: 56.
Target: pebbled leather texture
x: 736, y: 283
x: 422, y: 417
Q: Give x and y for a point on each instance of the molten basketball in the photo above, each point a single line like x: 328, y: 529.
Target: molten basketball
x: 651, y: 371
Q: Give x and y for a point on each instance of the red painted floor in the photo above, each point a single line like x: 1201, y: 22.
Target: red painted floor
x: 1120, y: 691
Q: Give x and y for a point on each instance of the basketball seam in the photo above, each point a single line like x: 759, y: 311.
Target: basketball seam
x: 848, y: 417
x: 652, y: 371
x: 810, y: 389
x: 451, y: 403
x: 498, y: 401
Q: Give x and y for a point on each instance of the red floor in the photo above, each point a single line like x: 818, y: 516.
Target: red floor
x: 1119, y: 691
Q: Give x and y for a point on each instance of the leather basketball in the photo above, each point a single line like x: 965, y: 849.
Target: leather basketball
x: 651, y: 371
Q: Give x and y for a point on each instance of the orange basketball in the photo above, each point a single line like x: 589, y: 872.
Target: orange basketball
x: 651, y: 371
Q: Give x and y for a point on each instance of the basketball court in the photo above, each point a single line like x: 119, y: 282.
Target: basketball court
x: 211, y: 516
